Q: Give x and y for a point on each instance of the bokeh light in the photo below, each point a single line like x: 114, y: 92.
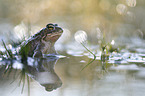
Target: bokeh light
x: 20, y: 30
x: 121, y: 9
x: 131, y: 3
x: 80, y: 36
x: 99, y: 33
x: 112, y: 42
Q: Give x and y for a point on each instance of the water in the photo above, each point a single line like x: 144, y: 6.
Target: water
x: 63, y: 75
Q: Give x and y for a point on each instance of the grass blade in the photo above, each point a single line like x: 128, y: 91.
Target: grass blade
x: 28, y: 81
x: 9, y: 54
x: 91, y: 60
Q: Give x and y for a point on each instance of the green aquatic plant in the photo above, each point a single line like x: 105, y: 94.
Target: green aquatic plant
x: 8, y: 58
x: 91, y: 53
x: 105, y: 48
x: 81, y: 37
x: 24, y: 51
x: 9, y: 53
x: 8, y: 69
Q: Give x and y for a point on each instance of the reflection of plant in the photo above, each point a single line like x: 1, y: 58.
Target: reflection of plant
x: 21, y: 75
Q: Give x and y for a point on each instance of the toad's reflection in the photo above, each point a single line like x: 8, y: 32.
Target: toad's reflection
x: 43, y: 72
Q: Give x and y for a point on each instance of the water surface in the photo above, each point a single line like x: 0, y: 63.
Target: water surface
x: 67, y: 79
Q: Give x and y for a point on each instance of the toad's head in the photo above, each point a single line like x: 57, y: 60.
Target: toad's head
x: 52, y: 32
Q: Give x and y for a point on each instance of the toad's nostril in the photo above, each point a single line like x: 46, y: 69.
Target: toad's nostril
x: 55, y: 24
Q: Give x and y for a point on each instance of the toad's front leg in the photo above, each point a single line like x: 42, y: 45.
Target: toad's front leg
x: 38, y: 51
x: 37, y: 54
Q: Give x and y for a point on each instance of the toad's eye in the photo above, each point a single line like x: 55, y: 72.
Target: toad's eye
x: 50, y: 26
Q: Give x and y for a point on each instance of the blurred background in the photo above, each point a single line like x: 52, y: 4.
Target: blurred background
x: 119, y: 20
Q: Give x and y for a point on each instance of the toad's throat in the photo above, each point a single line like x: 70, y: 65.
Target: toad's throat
x: 52, y: 37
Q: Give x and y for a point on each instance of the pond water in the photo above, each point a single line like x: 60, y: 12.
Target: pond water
x: 122, y: 74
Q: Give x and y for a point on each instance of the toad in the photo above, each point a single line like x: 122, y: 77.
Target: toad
x: 41, y: 42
